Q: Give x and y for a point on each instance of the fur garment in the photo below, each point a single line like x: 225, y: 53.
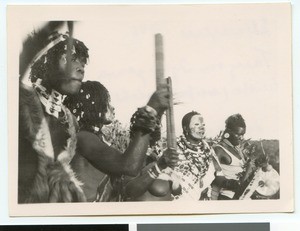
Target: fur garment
x: 44, y: 171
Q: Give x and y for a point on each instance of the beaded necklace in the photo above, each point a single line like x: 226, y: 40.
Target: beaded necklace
x: 52, y: 102
x: 199, y: 156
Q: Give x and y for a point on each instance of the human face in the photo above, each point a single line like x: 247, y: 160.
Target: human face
x: 71, y: 75
x: 237, y: 135
x: 109, y: 116
x: 196, y: 128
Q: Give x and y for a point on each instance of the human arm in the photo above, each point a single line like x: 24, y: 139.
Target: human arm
x: 222, y: 156
x: 110, y: 160
x: 220, y: 181
x: 218, y: 174
x: 147, y: 181
x: 137, y: 186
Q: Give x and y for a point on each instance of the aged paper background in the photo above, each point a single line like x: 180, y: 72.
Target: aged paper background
x: 269, y: 27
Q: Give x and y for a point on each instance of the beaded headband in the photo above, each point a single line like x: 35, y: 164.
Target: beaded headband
x: 25, y: 79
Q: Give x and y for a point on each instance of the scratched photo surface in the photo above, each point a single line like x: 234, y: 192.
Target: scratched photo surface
x: 228, y: 66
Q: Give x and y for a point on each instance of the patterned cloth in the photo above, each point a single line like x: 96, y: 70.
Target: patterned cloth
x: 195, y: 164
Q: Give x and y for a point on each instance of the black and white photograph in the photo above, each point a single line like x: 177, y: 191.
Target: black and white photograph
x: 150, y: 109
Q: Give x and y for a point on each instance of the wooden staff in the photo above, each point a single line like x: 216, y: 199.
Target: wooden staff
x: 171, y: 136
x: 159, y: 62
x: 161, y: 80
x: 70, y: 25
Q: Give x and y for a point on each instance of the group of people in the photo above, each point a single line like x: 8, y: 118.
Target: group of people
x: 64, y: 155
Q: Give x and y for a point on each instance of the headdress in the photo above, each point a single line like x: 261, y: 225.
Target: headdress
x: 41, y: 51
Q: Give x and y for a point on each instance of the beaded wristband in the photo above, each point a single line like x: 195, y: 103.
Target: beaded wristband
x: 145, y: 120
x: 154, y: 171
x: 153, y: 176
x: 157, y: 168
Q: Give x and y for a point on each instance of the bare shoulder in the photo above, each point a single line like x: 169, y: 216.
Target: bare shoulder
x: 89, y: 141
x: 86, y: 136
x: 223, y: 157
x: 219, y: 150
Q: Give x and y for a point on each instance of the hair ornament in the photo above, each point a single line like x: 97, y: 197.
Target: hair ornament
x: 64, y: 58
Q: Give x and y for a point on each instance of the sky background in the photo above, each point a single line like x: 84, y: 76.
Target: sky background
x: 222, y: 61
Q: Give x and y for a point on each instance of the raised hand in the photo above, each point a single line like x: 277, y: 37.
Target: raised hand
x: 160, y: 100
x: 168, y: 159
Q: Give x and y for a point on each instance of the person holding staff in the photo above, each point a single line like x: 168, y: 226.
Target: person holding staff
x: 92, y: 109
x: 190, y: 174
x: 51, y: 67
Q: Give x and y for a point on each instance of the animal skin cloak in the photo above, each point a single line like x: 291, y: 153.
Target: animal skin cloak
x: 46, y: 147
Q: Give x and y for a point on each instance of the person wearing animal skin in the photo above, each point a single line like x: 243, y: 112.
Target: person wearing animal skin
x: 50, y: 68
x: 193, y: 170
x: 47, y: 129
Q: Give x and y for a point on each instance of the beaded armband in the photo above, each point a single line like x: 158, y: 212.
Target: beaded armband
x: 154, y: 171
x: 145, y: 119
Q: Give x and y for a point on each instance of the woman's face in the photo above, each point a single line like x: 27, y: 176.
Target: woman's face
x: 237, y: 135
x: 109, y: 116
x: 196, y: 129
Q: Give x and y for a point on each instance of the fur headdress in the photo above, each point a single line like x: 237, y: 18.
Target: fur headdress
x: 42, y: 50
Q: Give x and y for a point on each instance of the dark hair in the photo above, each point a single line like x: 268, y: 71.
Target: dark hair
x: 89, y: 104
x: 47, y: 65
x: 185, y: 122
x: 235, y: 121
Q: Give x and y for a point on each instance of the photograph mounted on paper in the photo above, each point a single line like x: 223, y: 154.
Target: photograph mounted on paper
x: 138, y: 110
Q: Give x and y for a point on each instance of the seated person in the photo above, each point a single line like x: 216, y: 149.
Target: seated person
x: 231, y: 158
x: 190, y: 178
x: 196, y: 166
x: 262, y: 181
x: 95, y: 159
x: 92, y: 111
